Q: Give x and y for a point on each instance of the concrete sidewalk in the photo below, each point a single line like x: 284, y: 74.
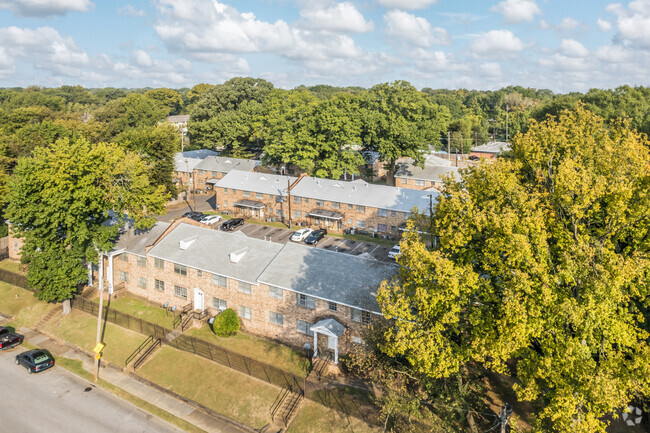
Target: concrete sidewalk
x: 186, y: 411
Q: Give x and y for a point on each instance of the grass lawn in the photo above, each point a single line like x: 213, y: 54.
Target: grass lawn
x: 11, y: 266
x: 316, y: 418
x: 81, y: 329
x: 22, y: 305
x: 219, y: 388
x: 142, y: 310
x: 274, y: 354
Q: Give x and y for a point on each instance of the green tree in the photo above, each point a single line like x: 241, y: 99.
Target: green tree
x: 132, y: 111
x: 541, y: 271
x: 59, y: 200
x: 195, y: 92
x: 169, y: 99
x: 401, y: 122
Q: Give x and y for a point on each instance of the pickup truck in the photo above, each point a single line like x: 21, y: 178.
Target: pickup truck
x: 9, y: 339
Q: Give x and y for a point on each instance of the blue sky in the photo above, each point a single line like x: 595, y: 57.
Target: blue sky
x: 475, y: 44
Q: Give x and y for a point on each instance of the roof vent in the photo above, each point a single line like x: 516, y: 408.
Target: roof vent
x: 236, y: 256
x: 185, y: 243
x: 263, y: 178
x: 227, y: 161
x: 338, y: 185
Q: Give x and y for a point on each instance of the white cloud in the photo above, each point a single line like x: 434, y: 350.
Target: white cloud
x: 567, y: 24
x: 44, y: 8
x: 614, y: 54
x: 416, y: 30
x: 516, y: 11
x: 561, y: 62
x: 573, y: 48
x: 604, y: 25
x: 407, y: 4
x: 341, y: 17
x: 142, y: 59
x: 44, y: 45
x: 633, y: 23
x: 503, y: 41
x: 130, y: 11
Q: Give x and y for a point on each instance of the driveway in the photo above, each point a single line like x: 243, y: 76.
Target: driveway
x: 57, y: 401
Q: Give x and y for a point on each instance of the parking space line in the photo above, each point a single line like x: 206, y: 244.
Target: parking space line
x: 374, y: 249
x: 358, y: 245
x: 254, y: 231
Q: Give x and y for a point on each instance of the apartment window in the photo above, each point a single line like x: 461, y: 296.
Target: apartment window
x: 393, y: 228
x: 199, y: 273
x: 246, y: 193
x: 350, y: 206
x: 320, y: 203
x: 124, y: 257
x: 349, y: 221
x: 382, y: 212
x: 419, y: 182
x: 201, y: 181
x: 219, y: 304
x: 305, y: 301
x: 382, y: 228
x: 181, y: 292
x: 333, y: 306
x: 306, y: 199
x: 276, y: 318
x: 219, y: 280
x: 15, y: 246
x: 360, y: 316
x: 275, y: 292
x: 225, y: 190
x: 159, y: 285
x: 123, y: 276
x: 297, y: 214
x: 159, y: 263
x: 393, y: 213
x: 214, y: 173
x: 245, y: 313
x: 361, y: 209
x: 259, y: 195
x: 180, y: 269
x: 225, y: 203
x: 200, y: 171
x: 297, y: 200
x: 142, y: 282
x: 303, y: 327
x: 404, y: 181
x: 142, y: 261
x: 336, y: 205
x: 361, y: 224
x: 244, y: 287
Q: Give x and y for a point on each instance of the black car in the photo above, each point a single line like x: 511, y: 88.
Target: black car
x: 9, y: 339
x: 232, y: 223
x: 315, y: 236
x: 474, y: 158
x: 196, y: 216
x: 35, y: 360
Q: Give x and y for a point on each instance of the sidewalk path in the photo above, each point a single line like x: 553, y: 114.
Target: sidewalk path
x: 185, y: 411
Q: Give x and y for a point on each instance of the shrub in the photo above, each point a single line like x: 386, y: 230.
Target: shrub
x: 226, y: 323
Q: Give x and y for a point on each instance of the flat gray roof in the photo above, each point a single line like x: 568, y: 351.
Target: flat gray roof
x: 209, y: 250
x: 329, y: 275
x: 429, y: 172
x: 264, y: 183
x: 225, y: 165
x: 492, y: 147
x: 135, y: 241
x: 186, y: 161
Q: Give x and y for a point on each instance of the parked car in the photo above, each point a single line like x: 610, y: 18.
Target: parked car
x: 198, y: 216
x: 192, y: 214
x: 315, y: 236
x: 474, y: 158
x: 301, y: 235
x: 9, y: 339
x: 211, y: 219
x: 231, y: 224
x: 35, y: 360
x: 392, y: 254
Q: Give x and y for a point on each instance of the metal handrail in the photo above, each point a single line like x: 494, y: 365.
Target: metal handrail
x: 151, y: 348
x: 278, y: 401
x: 148, y: 340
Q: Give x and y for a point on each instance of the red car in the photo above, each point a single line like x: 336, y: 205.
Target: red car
x: 9, y: 339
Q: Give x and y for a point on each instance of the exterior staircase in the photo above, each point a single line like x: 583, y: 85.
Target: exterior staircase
x: 285, y: 408
x: 47, y: 318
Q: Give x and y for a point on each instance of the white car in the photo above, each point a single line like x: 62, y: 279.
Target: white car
x: 211, y: 219
x: 392, y: 254
x: 301, y: 235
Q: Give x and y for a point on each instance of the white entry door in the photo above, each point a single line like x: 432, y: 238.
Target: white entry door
x: 198, y: 299
x: 331, y: 343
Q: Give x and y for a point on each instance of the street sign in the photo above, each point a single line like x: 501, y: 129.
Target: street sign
x: 99, y: 355
x: 99, y: 348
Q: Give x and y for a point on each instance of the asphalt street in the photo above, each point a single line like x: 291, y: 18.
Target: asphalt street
x: 57, y: 401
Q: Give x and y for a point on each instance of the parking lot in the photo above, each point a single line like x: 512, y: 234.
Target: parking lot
x: 332, y: 243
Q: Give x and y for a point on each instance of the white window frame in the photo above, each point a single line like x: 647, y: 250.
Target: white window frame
x: 245, y: 313
x: 276, y: 292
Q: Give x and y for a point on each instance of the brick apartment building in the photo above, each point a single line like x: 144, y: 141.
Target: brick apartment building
x: 291, y: 293
x: 490, y: 150
x: 202, y: 168
x: 308, y: 201
x: 423, y: 178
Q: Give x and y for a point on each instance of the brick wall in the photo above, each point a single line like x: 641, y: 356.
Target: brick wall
x: 15, y: 244
x: 259, y: 301
x: 366, y: 218
x: 410, y: 183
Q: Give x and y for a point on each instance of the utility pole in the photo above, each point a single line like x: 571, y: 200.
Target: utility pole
x: 506, y: 411
x: 431, y: 219
x: 289, y: 199
x: 99, y: 313
x: 449, y: 146
x: 507, y: 115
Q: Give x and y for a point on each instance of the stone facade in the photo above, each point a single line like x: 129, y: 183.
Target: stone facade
x: 136, y: 271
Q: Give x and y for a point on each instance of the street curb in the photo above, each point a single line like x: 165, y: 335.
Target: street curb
x: 196, y: 405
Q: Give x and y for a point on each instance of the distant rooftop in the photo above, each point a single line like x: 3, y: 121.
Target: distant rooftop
x: 186, y: 161
x: 225, y: 164
x: 492, y: 147
x: 135, y: 241
x: 429, y: 172
x: 264, y: 183
x: 179, y: 118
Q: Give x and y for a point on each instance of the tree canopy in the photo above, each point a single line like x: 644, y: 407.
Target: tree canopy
x: 541, y: 271
x: 59, y: 200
